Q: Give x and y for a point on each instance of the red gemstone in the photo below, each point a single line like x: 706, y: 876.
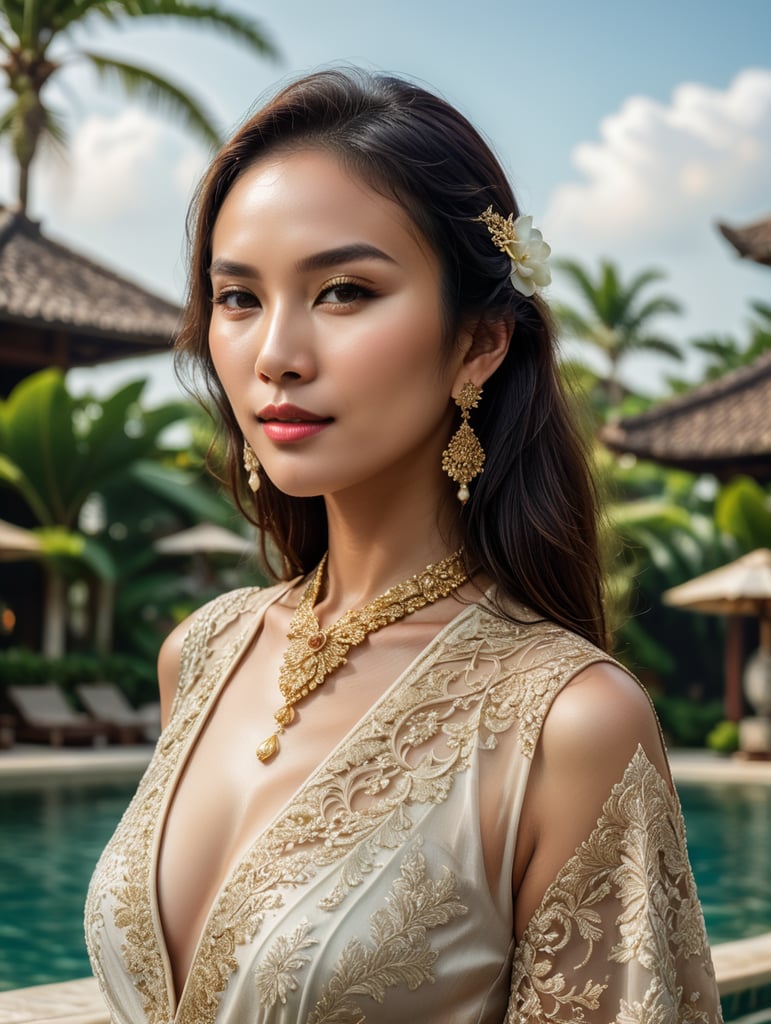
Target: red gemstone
x: 317, y: 641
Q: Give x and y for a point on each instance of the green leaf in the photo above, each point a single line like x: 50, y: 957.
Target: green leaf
x: 742, y: 511
x: 182, y: 489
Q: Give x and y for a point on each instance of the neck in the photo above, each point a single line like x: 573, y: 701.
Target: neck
x: 382, y: 537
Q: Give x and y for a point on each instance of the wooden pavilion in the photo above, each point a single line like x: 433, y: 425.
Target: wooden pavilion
x: 722, y: 427
x: 752, y: 242
x: 58, y: 308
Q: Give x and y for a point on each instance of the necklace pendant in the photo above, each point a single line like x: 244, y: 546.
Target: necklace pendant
x: 284, y: 715
x: 317, y: 640
x: 268, y: 749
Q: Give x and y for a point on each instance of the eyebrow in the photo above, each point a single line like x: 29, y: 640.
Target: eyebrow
x: 343, y: 254
x: 316, y: 261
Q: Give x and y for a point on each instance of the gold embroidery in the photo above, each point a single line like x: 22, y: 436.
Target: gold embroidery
x: 629, y: 884
x: 124, y: 869
x: 479, y: 678
x: 400, y: 953
x: 274, y: 976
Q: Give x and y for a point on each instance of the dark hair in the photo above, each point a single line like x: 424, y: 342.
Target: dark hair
x: 531, y: 524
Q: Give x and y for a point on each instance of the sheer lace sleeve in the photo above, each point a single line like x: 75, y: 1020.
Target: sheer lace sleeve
x: 619, y: 934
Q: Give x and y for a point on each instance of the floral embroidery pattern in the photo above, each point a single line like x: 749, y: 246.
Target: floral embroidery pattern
x: 481, y: 676
x: 630, y: 882
x: 275, y: 976
x: 124, y: 869
x: 400, y: 953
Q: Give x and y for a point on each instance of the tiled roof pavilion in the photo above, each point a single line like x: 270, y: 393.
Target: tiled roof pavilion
x: 723, y: 427
x: 58, y: 308
x: 752, y: 242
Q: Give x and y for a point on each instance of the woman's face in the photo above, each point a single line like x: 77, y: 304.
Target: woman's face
x: 326, y: 329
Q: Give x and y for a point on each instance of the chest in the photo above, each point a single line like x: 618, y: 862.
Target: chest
x: 224, y: 797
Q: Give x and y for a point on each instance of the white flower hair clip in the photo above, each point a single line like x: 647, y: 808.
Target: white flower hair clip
x: 525, y: 247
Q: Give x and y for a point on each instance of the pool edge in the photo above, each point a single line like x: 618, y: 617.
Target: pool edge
x: 743, y: 968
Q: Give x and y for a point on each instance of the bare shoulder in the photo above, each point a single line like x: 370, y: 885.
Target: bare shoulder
x: 593, y: 730
x: 170, y: 654
x: 169, y: 660
x: 599, y: 719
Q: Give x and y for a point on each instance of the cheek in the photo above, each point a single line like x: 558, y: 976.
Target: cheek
x: 233, y: 362
x: 401, y: 350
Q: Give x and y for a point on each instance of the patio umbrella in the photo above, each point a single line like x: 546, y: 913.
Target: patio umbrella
x: 205, y: 539
x: 742, y: 587
x: 17, y: 544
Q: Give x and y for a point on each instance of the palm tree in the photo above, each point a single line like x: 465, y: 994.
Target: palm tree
x: 617, y: 321
x: 32, y: 31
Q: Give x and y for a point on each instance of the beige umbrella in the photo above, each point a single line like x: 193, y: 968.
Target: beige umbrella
x: 205, y: 539
x: 17, y: 544
x: 742, y: 587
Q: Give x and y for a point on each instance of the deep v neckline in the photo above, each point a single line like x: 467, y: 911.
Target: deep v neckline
x: 176, y: 1003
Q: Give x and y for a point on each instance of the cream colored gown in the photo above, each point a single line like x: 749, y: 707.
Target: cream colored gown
x: 373, y: 895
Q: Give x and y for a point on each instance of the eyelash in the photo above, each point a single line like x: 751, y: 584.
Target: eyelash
x: 223, y: 296
x: 362, y: 291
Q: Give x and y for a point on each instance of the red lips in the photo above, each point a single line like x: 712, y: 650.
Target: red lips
x: 288, y: 413
x: 287, y: 423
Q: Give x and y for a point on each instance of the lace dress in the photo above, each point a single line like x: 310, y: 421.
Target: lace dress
x: 372, y: 896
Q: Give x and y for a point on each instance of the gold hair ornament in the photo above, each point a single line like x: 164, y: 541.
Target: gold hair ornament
x: 314, y: 653
x: 525, y: 247
x: 464, y: 457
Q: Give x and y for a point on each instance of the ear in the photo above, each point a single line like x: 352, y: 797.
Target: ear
x: 484, y: 347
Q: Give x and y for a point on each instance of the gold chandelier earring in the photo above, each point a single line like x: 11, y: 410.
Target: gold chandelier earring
x: 252, y: 467
x: 464, y: 457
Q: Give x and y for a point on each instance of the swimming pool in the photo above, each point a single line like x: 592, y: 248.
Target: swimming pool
x: 52, y: 835
x: 729, y: 843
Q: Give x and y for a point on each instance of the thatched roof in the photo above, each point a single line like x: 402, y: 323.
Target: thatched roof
x: 723, y: 427
x: 752, y: 242
x: 60, y: 308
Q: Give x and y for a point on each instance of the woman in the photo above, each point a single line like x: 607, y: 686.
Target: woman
x: 408, y: 782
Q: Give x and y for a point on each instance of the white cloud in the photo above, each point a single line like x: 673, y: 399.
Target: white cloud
x: 188, y: 171
x: 106, y: 169
x: 663, y: 171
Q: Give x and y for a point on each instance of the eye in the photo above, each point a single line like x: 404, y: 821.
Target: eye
x: 343, y: 292
x: 235, y: 299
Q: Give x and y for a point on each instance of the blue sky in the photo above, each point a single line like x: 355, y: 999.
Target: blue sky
x: 627, y: 130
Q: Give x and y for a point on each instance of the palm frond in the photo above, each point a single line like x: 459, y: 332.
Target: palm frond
x: 652, y: 343
x: 572, y: 322
x: 78, y: 11
x: 580, y: 279
x: 763, y: 310
x: 240, y: 29
x: 653, y: 307
x: 158, y: 92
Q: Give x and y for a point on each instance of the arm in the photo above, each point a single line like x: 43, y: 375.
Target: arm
x: 607, y: 918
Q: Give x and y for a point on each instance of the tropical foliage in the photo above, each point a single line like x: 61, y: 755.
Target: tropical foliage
x: 102, y: 487
x: 616, y: 318
x: 39, y: 40
x: 664, y: 539
x: 725, y: 353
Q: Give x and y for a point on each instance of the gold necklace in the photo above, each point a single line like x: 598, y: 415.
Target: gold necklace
x: 314, y: 653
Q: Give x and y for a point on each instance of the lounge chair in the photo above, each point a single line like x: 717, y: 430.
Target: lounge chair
x: 108, y: 704
x: 45, y: 715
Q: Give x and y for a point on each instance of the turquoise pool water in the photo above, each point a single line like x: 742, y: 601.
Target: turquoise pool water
x: 729, y: 842
x: 51, y: 837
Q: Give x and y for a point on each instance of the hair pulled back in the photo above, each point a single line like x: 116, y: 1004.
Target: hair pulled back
x: 531, y: 523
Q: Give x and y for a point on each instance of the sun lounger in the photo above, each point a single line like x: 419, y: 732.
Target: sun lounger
x: 45, y: 715
x: 108, y: 704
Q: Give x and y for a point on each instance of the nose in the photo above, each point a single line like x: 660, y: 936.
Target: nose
x: 285, y: 349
